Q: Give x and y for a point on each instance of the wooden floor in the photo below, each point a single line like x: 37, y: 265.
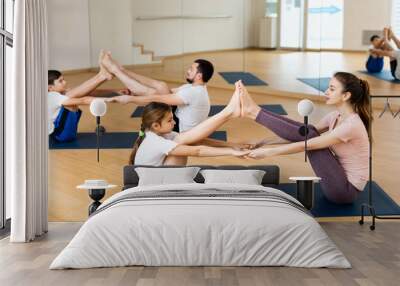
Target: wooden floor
x: 69, y: 168
x: 375, y: 259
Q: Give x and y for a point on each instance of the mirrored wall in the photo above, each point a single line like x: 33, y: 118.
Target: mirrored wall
x: 280, y: 48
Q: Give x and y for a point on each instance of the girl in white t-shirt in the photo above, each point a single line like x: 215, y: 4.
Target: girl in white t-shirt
x: 158, y: 145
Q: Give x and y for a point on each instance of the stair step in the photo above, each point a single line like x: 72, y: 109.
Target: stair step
x: 143, y: 56
x: 158, y: 59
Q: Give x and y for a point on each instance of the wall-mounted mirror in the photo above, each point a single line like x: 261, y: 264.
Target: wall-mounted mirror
x: 282, y: 50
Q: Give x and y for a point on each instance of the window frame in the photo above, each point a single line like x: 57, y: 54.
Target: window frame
x: 6, y: 39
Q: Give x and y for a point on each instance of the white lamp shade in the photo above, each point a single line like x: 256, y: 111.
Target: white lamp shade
x: 305, y: 107
x: 98, y: 107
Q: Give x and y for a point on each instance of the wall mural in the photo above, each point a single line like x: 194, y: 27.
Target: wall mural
x: 213, y: 83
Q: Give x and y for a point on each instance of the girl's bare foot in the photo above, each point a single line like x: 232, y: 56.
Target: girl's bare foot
x: 103, y: 70
x: 249, y: 108
x: 234, y: 104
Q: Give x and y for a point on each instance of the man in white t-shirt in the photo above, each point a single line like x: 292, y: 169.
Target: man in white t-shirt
x: 192, y: 100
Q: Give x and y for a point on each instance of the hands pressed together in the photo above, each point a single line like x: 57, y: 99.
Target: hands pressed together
x: 253, y: 150
x: 122, y: 99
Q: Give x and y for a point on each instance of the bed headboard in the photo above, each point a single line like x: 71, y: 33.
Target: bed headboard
x: 271, y: 176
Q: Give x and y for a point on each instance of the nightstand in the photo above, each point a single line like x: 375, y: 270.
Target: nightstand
x: 305, y: 190
x: 97, y: 190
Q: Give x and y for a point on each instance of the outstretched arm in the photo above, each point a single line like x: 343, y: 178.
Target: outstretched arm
x: 206, y: 151
x: 88, y: 86
x: 170, y: 99
x: 316, y: 143
x: 78, y: 101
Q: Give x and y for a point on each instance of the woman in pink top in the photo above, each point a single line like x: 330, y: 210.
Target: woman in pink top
x: 339, y: 143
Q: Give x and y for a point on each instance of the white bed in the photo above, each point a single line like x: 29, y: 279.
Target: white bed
x: 201, y: 225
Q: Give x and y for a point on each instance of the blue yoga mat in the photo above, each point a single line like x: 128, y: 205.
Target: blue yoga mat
x: 246, y: 77
x: 219, y: 135
x: 383, y: 204
x: 383, y: 75
x: 109, y: 140
x: 320, y: 84
x: 276, y: 108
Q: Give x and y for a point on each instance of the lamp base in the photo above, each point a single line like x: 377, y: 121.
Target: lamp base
x: 303, y: 130
x: 96, y: 195
x: 101, y: 129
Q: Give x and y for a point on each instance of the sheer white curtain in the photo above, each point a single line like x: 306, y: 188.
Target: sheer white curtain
x: 26, y: 117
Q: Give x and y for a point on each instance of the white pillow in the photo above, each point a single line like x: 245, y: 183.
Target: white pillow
x: 248, y: 177
x: 166, y: 176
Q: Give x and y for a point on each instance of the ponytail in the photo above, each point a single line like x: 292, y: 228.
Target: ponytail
x: 152, y: 113
x: 360, y: 96
x: 363, y: 107
x: 136, y: 145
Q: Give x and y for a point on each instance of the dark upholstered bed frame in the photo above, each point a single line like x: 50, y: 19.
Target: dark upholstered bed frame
x: 271, y: 177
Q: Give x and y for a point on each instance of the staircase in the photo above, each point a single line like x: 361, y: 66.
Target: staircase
x: 144, y: 57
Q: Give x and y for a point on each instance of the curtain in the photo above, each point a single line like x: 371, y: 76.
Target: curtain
x: 26, y: 119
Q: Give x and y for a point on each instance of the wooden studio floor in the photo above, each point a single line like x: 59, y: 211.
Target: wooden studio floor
x: 69, y: 168
x: 375, y: 259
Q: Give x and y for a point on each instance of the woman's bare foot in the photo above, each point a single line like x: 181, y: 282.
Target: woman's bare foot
x: 103, y: 70
x: 249, y: 108
x: 233, y: 106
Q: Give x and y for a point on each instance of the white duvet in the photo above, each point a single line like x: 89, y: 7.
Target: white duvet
x: 188, y: 231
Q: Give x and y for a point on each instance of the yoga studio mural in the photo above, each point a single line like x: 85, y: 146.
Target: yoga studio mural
x: 188, y: 82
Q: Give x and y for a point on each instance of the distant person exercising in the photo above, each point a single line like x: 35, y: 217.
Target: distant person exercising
x: 388, y: 51
x: 375, y: 62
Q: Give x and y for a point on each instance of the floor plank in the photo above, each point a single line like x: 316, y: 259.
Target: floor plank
x: 375, y: 258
